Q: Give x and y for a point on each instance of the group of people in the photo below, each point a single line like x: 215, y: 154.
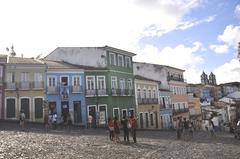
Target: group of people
x: 184, y: 128
x: 129, y: 125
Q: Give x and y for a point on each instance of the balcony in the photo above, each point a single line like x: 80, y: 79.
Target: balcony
x: 64, y: 92
x: 179, y: 111
x: 102, y: 92
x: 24, y: 85
x: 173, y: 78
x: 52, y: 90
x: 91, y: 92
x: 147, y: 101
x: 38, y: 85
x: 11, y: 86
x: 114, y: 92
x: 76, y: 89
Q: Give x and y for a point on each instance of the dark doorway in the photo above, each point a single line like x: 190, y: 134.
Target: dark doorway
x: 25, y: 107
x: 77, y: 112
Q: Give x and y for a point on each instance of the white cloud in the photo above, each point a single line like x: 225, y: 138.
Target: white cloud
x: 228, y: 72
x: 36, y: 27
x: 180, y: 56
x: 229, y: 38
x: 221, y: 49
x: 237, y: 11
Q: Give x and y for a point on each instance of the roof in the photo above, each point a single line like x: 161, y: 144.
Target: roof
x: 3, y: 56
x: 65, y: 65
x: 144, y: 78
x: 59, y: 65
x: 158, y: 65
x: 108, y: 48
x: 22, y: 60
x: 234, y: 95
x: 237, y: 84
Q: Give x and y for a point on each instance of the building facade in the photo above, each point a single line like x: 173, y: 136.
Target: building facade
x: 147, y: 102
x: 3, y: 61
x: 65, y: 87
x: 109, y: 79
x: 24, y: 89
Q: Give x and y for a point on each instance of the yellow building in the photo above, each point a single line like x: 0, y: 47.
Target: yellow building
x: 147, y: 103
x: 24, y: 89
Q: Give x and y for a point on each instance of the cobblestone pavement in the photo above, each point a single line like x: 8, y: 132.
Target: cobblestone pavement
x: 94, y: 143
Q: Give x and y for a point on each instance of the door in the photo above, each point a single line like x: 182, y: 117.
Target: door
x: 141, y: 120
x: 11, y: 108
x: 25, y: 107
x: 92, y: 111
x: 38, y: 108
x: 102, y: 115
x: 77, y: 112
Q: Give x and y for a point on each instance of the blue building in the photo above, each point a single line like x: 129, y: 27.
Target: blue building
x: 65, y: 91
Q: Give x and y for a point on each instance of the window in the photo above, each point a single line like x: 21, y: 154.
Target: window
x: 114, y: 82
x: 24, y: 76
x: 64, y: 81
x: 154, y: 93
x: 120, y: 61
x: 38, y: 77
x: 51, y: 81
x: 144, y: 93
x: 76, y: 81
x: 11, y: 77
x: 101, y: 82
x: 112, y: 59
x: 129, y: 83
x: 25, y: 106
x: 90, y: 82
x: 149, y: 93
x: 128, y: 62
x: 139, y: 93
x: 122, y: 84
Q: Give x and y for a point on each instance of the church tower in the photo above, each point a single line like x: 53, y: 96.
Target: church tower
x: 212, y: 79
x: 204, y: 78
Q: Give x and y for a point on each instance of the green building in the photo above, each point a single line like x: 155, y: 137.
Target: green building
x: 109, y: 79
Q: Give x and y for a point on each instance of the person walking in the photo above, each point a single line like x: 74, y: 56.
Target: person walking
x: 179, y: 128
x: 211, y: 128
x: 185, y: 128
x: 125, y: 125
x: 116, y: 129
x: 133, y: 123
x: 90, y: 121
x: 111, y: 128
x: 22, y: 119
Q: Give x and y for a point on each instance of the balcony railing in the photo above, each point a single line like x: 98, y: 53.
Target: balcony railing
x: 11, y: 86
x: 96, y: 92
x: 169, y: 78
x: 52, y: 90
x: 179, y: 111
x: 24, y: 85
x: 166, y: 106
x: 147, y: 101
x: 38, y: 85
x: 76, y: 89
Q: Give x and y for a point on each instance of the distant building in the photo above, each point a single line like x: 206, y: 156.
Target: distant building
x: 227, y: 88
x: 211, y: 80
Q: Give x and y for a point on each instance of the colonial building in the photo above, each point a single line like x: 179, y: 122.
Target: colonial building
x: 172, y: 90
x: 3, y: 61
x: 211, y: 80
x: 227, y: 88
x: 109, y: 79
x: 147, y: 102
x: 24, y: 88
x: 65, y: 87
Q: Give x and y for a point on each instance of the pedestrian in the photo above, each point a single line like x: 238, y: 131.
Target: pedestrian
x: 90, y: 120
x: 211, y: 128
x: 111, y: 128
x: 22, y: 119
x: 54, y: 121
x: 133, y: 123
x: 185, y: 129
x: 116, y: 129
x: 191, y: 129
x: 69, y: 121
x: 126, y: 126
x: 179, y: 127
x: 46, y: 122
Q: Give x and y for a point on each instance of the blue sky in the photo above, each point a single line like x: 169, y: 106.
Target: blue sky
x: 193, y: 35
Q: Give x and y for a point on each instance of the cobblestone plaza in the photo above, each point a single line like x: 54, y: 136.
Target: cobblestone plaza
x: 34, y: 142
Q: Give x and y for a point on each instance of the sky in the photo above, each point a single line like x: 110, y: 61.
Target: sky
x: 194, y: 35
